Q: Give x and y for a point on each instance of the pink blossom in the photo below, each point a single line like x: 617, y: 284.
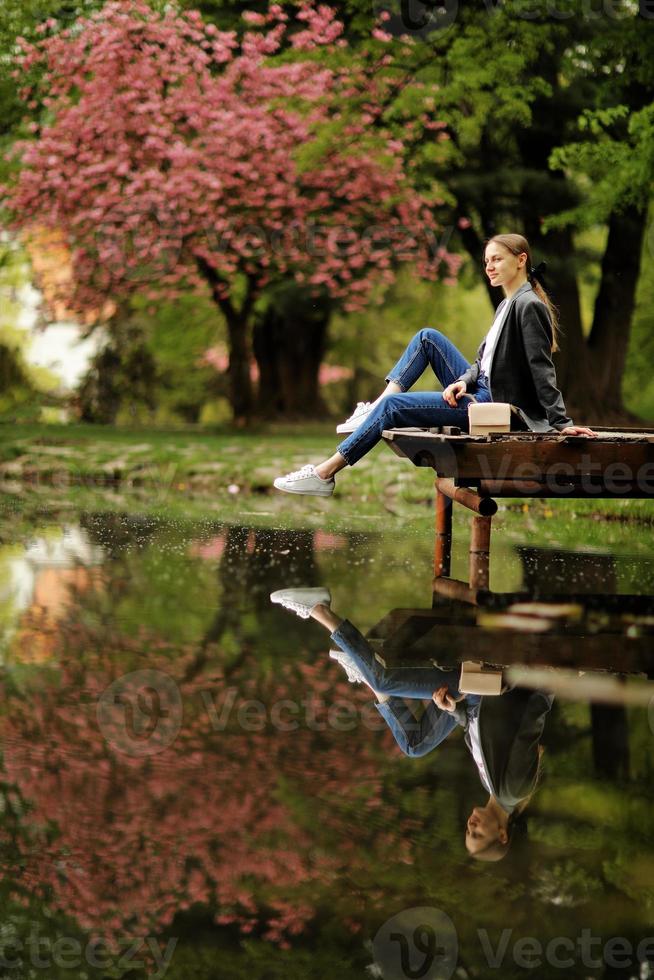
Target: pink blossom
x: 330, y: 373
x: 171, y: 147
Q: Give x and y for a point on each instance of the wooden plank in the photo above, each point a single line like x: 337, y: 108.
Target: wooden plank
x: 448, y: 645
x: 622, y: 429
x: 600, y: 688
x: 614, y: 603
x: 414, y: 622
x: 451, y: 589
x: 558, y: 462
x: 391, y: 624
x: 581, y: 490
x: 436, y: 435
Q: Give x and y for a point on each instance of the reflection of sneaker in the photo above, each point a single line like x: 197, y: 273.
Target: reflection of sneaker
x: 359, y: 415
x: 301, y: 601
x: 347, y: 663
x: 306, y: 480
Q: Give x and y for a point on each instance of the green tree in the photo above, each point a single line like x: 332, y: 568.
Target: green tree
x: 524, y: 91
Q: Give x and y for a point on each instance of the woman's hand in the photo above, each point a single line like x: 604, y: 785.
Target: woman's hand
x: 453, y: 392
x: 444, y: 700
x: 578, y: 430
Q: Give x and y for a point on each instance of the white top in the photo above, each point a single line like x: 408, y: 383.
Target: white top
x: 475, y: 744
x: 492, y: 335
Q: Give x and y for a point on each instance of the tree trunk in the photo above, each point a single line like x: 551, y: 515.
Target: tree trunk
x: 614, y: 307
x: 610, y: 729
x: 238, y: 371
x: 240, y: 353
x: 589, y: 370
x: 289, y: 345
x: 571, y: 360
x: 550, y: 115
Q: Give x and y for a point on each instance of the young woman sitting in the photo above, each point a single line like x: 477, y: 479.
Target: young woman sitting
x: 513, y: 365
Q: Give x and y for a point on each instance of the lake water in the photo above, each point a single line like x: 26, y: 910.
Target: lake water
x: 192, y: 788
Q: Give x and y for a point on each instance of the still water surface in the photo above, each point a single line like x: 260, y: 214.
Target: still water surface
x: 192, y: 788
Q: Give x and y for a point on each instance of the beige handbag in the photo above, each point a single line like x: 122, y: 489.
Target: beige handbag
x: 487, y: 417
x: 477, y: 678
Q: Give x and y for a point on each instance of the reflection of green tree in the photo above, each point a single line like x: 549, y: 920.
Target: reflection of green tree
x: 152, y: 583
x: 249, y: 571
x: 8, y: 610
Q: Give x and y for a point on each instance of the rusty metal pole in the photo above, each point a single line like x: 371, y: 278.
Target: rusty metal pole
x: 469, y: 498
x: 443, y: 535
x: 451, y: 588
x: 479, y: 567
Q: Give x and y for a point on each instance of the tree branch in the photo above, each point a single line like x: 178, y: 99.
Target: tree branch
x: 215, y: 281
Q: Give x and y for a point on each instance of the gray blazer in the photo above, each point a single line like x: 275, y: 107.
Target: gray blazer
x: 521, y: 369
x: 510, y: 730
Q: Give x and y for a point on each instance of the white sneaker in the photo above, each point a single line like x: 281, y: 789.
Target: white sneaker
x: 306, y: 480
x: 301, y: 601
x: 359, y: 415
x: 347, y: 663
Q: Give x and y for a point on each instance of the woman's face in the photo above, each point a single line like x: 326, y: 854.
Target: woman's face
x: 501, y: 265
x: 483, y: 829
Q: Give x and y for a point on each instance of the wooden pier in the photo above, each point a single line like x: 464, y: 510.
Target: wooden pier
x: 474, y: 470
x: 524, y: 634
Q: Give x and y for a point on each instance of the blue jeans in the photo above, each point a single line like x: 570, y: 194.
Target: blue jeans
x: 415, y: 737
x: 421, y: 409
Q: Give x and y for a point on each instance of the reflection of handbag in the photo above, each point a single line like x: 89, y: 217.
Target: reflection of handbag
x: 478, y: 678
x: 485, y: 417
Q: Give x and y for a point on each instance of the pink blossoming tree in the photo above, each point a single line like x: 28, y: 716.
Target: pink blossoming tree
x: 172, y: 156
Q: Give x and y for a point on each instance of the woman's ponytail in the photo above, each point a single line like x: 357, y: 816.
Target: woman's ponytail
x: 553, y: 312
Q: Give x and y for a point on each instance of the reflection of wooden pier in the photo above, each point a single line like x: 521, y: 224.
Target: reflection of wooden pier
x: 448, y: 634
x: 527, y: 632
x: 474, y: 470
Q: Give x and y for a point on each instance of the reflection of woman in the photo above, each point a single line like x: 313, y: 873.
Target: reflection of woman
x: 504, y: 738
x: 502, y: 733
x: 513, y: 365
x: 415, y: 737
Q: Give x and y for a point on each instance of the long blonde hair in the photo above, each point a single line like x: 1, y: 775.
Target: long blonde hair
x: 495, y: 851
x: 517, y: 244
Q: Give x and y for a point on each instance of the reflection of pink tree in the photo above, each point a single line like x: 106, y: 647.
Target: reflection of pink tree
x: 177, y: 155
x: 243, y: 820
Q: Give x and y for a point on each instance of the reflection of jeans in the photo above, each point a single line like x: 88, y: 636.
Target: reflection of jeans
x: 416, y: 408
x: 415, y: 737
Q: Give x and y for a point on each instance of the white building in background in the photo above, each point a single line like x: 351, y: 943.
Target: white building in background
x: 59, y: 346
x: 38, y: 583
x: 61, y: 349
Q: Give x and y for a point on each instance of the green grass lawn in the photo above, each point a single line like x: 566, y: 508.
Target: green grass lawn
x: 224, y: 467
x: 139, y: 456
